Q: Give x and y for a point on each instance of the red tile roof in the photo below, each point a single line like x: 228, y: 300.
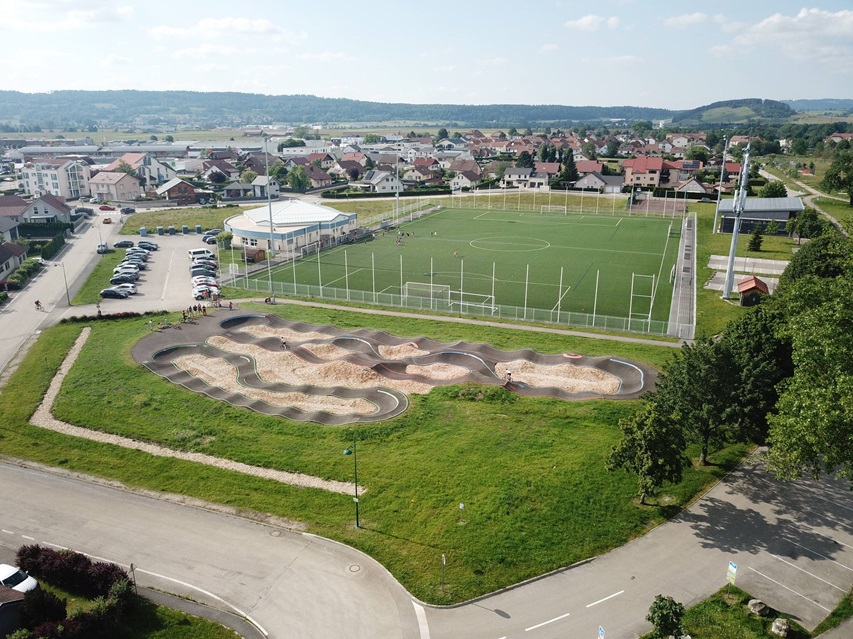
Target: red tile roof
x: 752, y: 283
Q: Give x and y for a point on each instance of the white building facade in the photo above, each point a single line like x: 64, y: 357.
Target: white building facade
x: 63, y: 178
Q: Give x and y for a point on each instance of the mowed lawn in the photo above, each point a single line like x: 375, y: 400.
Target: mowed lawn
x: 551, y: 261
x: 530, y: 472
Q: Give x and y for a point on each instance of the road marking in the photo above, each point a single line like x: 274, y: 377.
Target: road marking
x: 835, y: 541
x: 420, y: 613
x: 28, y: 537
x: 799, y: 594
x: 47, y: 543
x: 594, y: 603
x: 8, y: 532
x: 545, y: 623
x: 814, y: 552
x: 807, y: 572
x: 168, y: 275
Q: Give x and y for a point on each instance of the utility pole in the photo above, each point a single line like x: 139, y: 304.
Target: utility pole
x: 740, y: 202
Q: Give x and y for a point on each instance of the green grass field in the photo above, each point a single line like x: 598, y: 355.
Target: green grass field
x: 525, y: 259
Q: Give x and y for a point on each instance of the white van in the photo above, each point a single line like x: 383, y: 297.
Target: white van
x: 201, y: 252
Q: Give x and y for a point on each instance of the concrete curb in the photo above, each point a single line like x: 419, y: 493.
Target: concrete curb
x: 238, y: 624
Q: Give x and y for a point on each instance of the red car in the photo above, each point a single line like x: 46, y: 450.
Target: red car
x: 107, y: 207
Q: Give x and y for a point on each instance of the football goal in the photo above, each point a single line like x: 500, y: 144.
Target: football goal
x: 466, y: 301
x: 310, y: 249
x: 547, y: 209
x: 438, y: 292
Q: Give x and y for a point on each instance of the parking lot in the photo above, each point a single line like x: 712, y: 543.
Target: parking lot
x: 165, y: 284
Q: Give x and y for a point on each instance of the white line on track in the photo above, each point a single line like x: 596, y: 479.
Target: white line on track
x: 28, y: 537
x: 545, y: 623
x: 423, y: 626
x: 799, y: 594
x: 615, y: 594
x: 784, y: 561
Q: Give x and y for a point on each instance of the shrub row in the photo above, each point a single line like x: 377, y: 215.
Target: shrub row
x: 25, y: 271
x: 109, y: 316
x: 102, y: 621
x: 71, y: 570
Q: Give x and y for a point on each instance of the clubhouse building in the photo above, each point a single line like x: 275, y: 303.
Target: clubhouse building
x: 299, y: 228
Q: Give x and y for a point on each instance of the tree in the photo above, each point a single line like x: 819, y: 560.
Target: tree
x: 807, y: 224
x: 695, y: 388
x: 528, y: 131
x: 248, y: 176
x: 124, y: 167
x: 278, y: 172
x: 442, y: 134
x: 652, y: 447
x: 827, y: 256
x: 774, y: 188
x: 513, y: 132
x: 372, y: 138
x: 772, y: 228
x: 588, y: 149
x: 525, y: 160
x: 667, y: 616
x: 839, y: 175
x: 569, y: 174
x: 612, y: 149
x: 297, y: 179
x: 697, y: 152
x: 290, y: 143
x: 756, y: 239
x: 169, y: 138
x: 810, y: 434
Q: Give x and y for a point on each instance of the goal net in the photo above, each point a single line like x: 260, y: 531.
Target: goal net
x: 465, y: 301
x: 547, y: 209
x: 310, y: 249
x: 440, y: 292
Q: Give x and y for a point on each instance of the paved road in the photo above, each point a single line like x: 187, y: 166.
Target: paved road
x: 290, y: 584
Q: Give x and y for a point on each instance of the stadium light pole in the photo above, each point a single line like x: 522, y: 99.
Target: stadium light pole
x: 269, y: 206
x: 720, y: 189
x: 353, y: 451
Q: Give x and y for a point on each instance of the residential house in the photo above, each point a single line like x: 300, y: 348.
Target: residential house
x: 237, y: 189
x: 323, y: 160
x: 380, y: 182
x: 464, y: 180
x: 12, y: 208
x: 257, y: 162
x: 147, y: 168
x: 589, y: 166
x: 8, y: 229
x: 601, y: 183
x: 464, y: 164
x: 348, y: 170
x: 319, y: 178
x: 515, y: 177
x: 430, y: 164
x: 552, y: 169
x: 262, y: 183
x: 11, y: 256
x: 419, y: 175
x: 112, y: 186
x: 647, y: 172
x: 179, y: 191
x: 692, y: 185
x: 222, y: 167
x: 297, y: 160
x: 64, y: 178
x: 47, y: 208
x: 838, y: 137
x: 355, y: 156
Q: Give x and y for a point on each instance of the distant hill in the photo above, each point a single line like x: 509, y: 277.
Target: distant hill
x: 735, y: 112
x: 824, y: 104
x: 65, y: 109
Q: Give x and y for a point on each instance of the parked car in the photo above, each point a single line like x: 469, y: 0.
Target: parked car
x: 102, y: 247
x: 205, y: 292
x: 114, y: 293
x: 123, y: 279
x: 128, y: 288
x: 139, y: 264
x: 148, y: 244
x: 125, y: 267
x: 209, y: 263
x: 202, y: 272
x: 128, y: 209
x: 213, y: 232
x: 16, y: 579
x: 199, y: 280
x: 108, y: 220
x: 123, y: 244
x: 209, y: 239
x: 107, y: 207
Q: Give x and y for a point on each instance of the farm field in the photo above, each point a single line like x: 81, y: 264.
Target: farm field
x: 474, y: 260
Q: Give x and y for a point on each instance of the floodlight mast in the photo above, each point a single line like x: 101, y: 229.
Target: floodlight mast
x: 739, y: 203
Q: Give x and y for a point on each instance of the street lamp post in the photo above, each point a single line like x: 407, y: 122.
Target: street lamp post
x: 353, y: 451
x: 269, y: 206
x: 65, y: 279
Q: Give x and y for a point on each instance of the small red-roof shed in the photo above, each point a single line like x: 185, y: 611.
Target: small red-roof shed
x: 751, y: 289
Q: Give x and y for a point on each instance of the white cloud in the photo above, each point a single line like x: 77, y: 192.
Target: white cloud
x: 547, y: 48
x: 448, y: 68
x: 51, y: 18
x: 813, y: 35
x: 220, y: 27
x: 493, y: 62
x: 593, y: 23
x: 727, y: 25
x: 205, y: 51
x: 327, y: 56
x: 116, y: 61
x: 686, y: 20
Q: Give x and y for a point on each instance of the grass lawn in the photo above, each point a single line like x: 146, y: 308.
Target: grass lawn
x: 551, y: 262
x: 207, y: 217
x: 147, y: 621
x: 99, y: 278
x: 840, y: 210
x: 530, y: 471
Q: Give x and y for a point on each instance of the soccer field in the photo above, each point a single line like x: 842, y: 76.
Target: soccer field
x: 475, y: 261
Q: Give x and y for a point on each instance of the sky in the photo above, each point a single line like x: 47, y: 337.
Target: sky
x: 655, y: 53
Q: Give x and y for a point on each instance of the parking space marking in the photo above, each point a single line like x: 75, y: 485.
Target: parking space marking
x: 814, y: 552
x: 168, y: 275
x: 545, y: 623
x: 28, y: 537
x: 781, y: 585
x: 595, y: 603
x: 420, y: 615
x: 8, y: 532
x: 784, y: 561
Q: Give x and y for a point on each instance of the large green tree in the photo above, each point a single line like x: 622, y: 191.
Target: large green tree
x: 525, y: 160
x: 297, y: 179
x: 696, y: 389
x: 806, y: 224
x: 569, y: 174
x: 774, y: 188
x: 839, y: 175
x: 652, y: 447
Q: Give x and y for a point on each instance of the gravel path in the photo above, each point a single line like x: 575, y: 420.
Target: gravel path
x: 43, y: 418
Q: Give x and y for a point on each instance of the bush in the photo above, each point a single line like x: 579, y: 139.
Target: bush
x: 39, y: 606
x: 70, y: 570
